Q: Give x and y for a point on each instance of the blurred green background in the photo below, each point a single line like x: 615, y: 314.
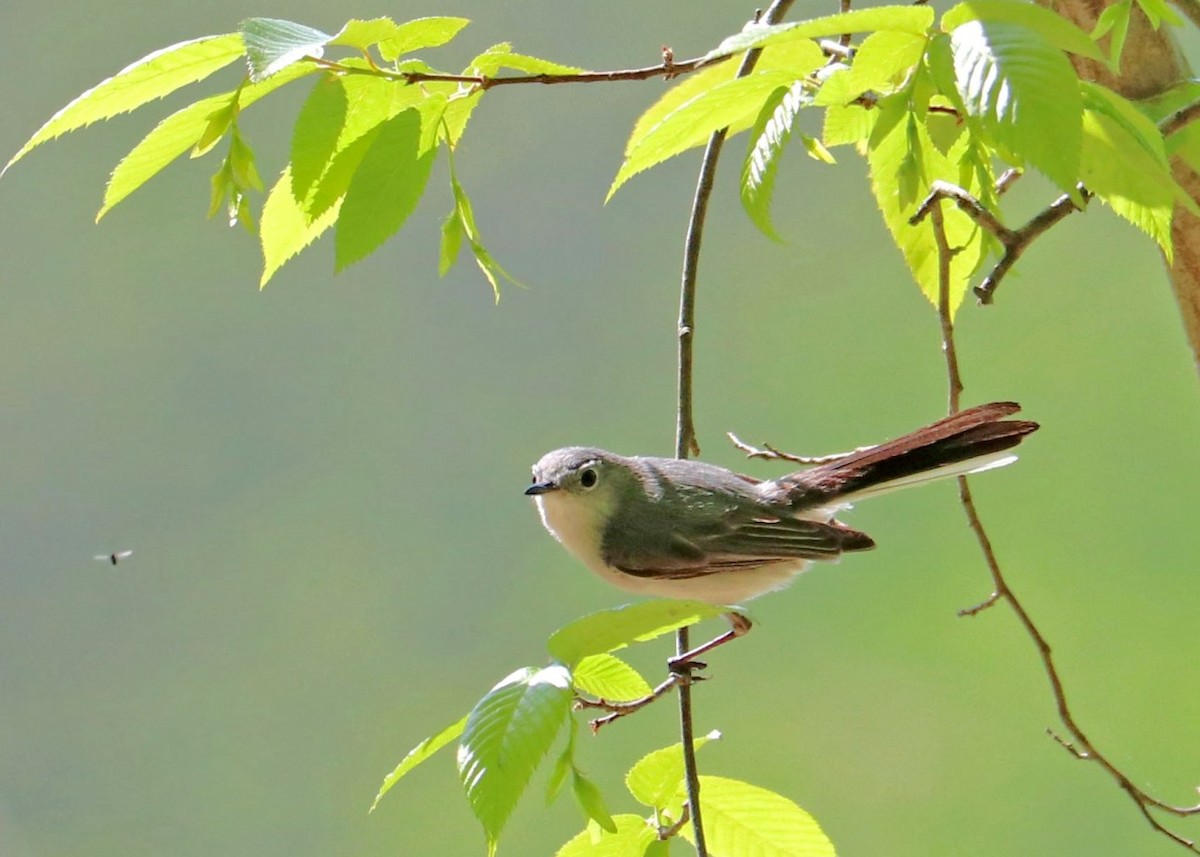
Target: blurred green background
x: 322, y: 481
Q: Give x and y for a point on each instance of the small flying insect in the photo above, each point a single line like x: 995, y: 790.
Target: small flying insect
x: 114, y: 558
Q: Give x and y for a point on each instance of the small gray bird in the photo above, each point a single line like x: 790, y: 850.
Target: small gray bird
x: 685, y: 529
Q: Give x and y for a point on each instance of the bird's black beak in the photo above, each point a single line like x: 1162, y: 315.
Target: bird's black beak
x: 540, y: 488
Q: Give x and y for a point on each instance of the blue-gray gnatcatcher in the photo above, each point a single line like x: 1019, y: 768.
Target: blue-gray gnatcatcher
x: 685, y: 529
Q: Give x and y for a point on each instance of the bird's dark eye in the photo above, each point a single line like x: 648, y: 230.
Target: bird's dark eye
x: 533, y: 480
x: 588, y: 478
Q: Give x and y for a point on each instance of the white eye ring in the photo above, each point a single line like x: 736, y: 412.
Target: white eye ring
x: 588, y: 478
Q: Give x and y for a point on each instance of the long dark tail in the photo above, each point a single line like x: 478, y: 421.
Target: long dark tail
x: 974, y: 439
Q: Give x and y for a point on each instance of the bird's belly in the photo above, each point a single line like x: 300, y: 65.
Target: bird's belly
x: 579, y: 536
x: 719, y: 587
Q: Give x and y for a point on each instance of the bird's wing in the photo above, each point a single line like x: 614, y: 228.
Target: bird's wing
x: 741, y: 538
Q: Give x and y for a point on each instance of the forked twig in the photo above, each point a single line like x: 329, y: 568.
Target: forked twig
x: 1015, y: 241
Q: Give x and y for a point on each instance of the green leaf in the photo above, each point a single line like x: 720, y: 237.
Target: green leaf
x: 1052, y: 27
x: 686, y: 90
x: 385, y: 188
x: 452, y: 236
x: 658, y: 776
x: 241, y: 162
x: 501, y: 56
x: 770, y: 135
x: 588, y: 796
x: 563, y: 765
x: 939, y: 60
x: 607, y: 677
x: 1125, y: 164
x: 179, y: 132
x: 361, y: 33
x: 691, y: 124
x: 816, y: 150
x: 287, y: 228
x: 507, y: 734
x: 1024, y: 93
x: 1158, y: 11
x: 419, y: 754
x: 609, y: 630
x: 273, y: 44
x: 884, y: 60
x: 741, y: 819
x: 316, y: 132
x: 909, y: 19
x: 420, y: 33
x: 903, y: 162
x: 150, y: 78
x: 1114, y: 19
x: 849, y: 124
x: 397, y: 39
x: 466, y: 228
x: 487, y: 64
x: 219, y: 121
x: 633, y: 838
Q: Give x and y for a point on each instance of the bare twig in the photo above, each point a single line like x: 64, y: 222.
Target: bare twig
x: 617, y: 710
x: 844, y: 40
x: 1015, y: 241
x: 685, y: 427
x: 1007, y: 179
x: 668, y: 832
x: 770, y: 453
x: 668, y: 68
x: 1079, y: 745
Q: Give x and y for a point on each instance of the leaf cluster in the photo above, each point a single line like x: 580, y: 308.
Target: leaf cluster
x: 362, y: 147
x: 988, y: 87
x: 508, y: 733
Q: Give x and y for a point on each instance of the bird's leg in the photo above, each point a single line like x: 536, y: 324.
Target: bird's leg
x: 739, y: 626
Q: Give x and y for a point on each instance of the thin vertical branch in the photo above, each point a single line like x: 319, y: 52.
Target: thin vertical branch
x: 1080, y: 746
x: 685, y: 427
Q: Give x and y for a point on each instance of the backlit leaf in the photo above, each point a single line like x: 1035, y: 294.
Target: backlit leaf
x: 419, y: 754
x: 741, y: 819
x: 768, y: 138
x: 179, y: 132
x: 1024, y: 93
x: 607, y: 677
x: 150, y: 78
x: 273, y: 44
x: 286, y: 228
x: 507, y: 734
x: 904, y: 161
x: 633, y: 839
x: 609, y: 630
x: 591, y: 801
x: 884, y: 60
x: 385, y: 188
x: 1125, y: 165
x: 316, y: 132
x: 419, y: 34
x: 908, y: 19
x: 658, y: 776
x: 1051, y: 26
x: 691, y: 124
